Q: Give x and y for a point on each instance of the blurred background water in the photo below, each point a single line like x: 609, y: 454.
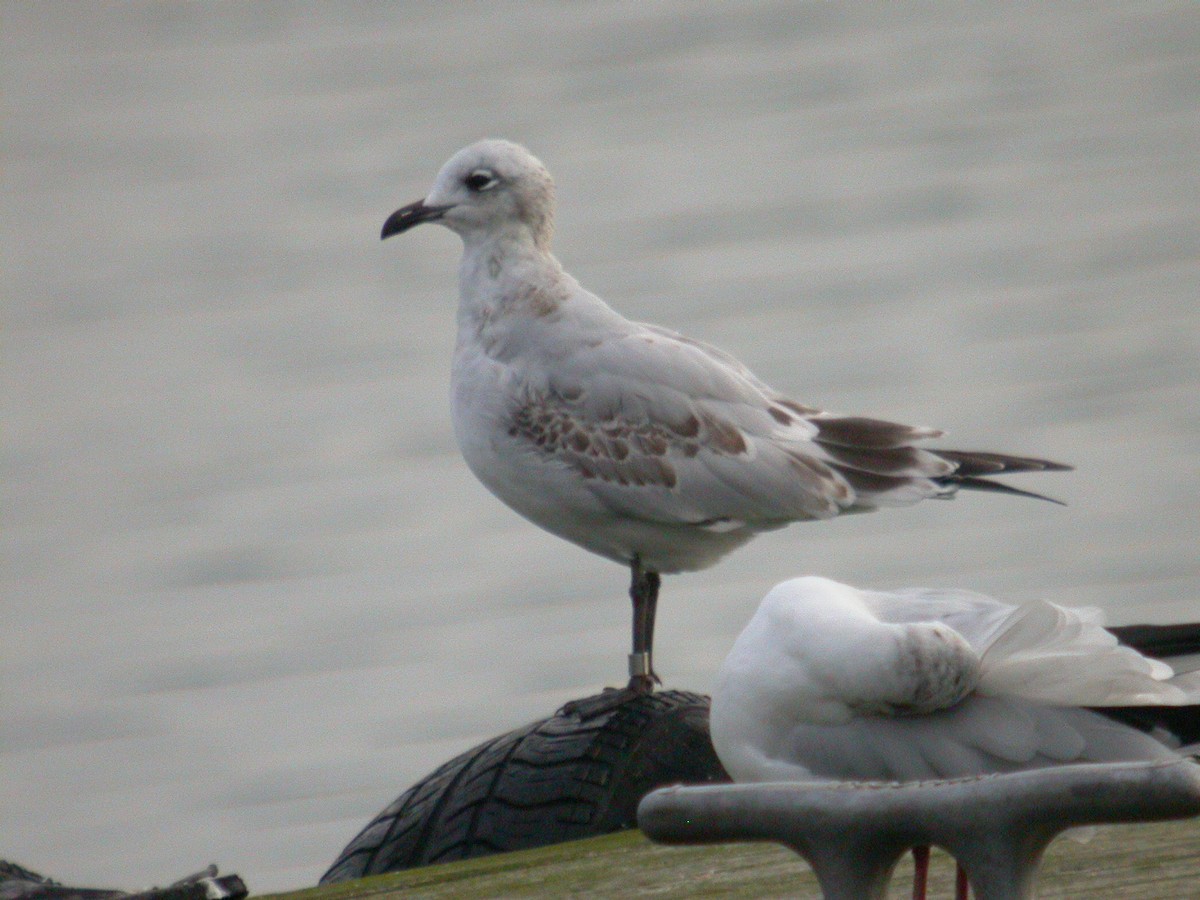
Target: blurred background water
x: 251, y: 592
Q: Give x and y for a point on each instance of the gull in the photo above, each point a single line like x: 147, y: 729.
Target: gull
x: 832, y: 683
x: 644, y: 446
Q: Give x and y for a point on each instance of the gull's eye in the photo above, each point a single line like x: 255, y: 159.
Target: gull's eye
x: 480, y: 180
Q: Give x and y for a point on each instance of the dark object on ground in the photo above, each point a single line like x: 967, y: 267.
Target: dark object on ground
x: 559, y: 779
x: 18, y: 883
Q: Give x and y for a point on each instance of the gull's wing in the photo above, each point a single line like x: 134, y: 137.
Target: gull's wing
x: 1040, y: 665
x: 1055, y: 654
x: 979, y: 736
x: 1041, y: 651
x: 668, y: 429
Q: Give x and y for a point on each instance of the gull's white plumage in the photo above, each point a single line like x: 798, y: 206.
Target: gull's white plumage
x: 632, y: 441
x: 831, y: 682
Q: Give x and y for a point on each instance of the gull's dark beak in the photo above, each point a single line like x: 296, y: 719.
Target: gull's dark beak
x: 410, y: 216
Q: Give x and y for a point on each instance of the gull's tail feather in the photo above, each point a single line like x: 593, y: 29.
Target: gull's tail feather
x: 970, y: 483
x: 971, y: 462
x: 882, y: 465
x: 972, y: 466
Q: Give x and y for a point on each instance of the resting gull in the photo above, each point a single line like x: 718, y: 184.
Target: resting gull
x: 831, y: 683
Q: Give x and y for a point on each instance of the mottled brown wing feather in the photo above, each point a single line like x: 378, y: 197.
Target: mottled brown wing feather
x: 616, y: 450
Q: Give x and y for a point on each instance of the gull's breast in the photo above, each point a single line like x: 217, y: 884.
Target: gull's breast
x: 547, y: 485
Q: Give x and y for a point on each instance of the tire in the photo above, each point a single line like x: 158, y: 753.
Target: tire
x: 559, y: 779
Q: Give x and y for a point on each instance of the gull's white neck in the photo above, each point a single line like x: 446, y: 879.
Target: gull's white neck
x: 505, y: 277
x: 493, y: 258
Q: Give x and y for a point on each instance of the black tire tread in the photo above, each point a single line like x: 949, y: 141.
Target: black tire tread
x: 557, y: 779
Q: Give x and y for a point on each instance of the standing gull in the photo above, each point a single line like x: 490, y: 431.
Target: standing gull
x: 639, y: 444
x: 831, y: 683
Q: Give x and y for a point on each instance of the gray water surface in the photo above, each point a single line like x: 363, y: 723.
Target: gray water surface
x: 251, y: 590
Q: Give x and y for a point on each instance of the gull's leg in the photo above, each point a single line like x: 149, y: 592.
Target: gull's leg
x: 920, y: 872
x: 962, y: 887
x: 643, y: 591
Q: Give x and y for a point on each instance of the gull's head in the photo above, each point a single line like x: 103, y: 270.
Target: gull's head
x: 491, y: 188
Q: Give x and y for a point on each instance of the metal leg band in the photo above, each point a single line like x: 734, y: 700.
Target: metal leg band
x: 639, y: 665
